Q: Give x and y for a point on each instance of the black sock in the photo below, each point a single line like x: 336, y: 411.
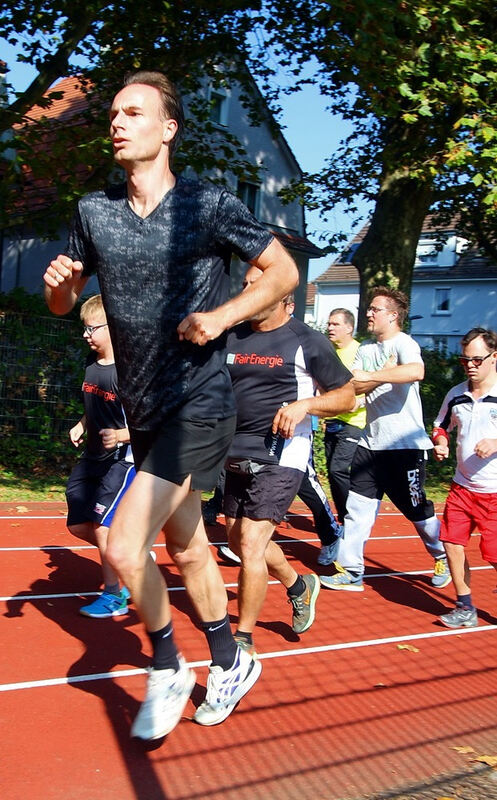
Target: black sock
x: 246, y: 637
x: 298, y: 587
x: 465, y: 601
x: 165, y: 652
x: 220, y: 641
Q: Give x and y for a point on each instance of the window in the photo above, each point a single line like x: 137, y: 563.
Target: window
x: 249, y: 193
x: 428, y: 251
x: 442, y: 301
x: 440, y: 344
x: 218, y: 107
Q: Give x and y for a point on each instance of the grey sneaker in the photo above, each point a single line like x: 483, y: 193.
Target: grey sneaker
x: 304, y: 605
x: 460, y: 617
x: 342, y: 580
x: 441, y: 573
x: 167, y: 695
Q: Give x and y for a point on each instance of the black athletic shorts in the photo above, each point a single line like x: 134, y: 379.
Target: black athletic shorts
x: 95, y: 488
x: 266, y: 494
x: 400, y: 474
x: 182, y: 447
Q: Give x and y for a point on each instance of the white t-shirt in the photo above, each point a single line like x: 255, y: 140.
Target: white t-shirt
x: 394, y: 411
x: 475, y: 419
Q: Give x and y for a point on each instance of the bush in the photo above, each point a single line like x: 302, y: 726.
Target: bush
x: 41, y: 368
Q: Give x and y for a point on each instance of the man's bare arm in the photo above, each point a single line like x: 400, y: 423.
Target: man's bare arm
x: 280, y: 277
x: 63, y: 284
x: 336, y: 401
x: 365, y: 382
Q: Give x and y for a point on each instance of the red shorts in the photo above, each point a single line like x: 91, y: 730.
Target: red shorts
x: 464, y: 511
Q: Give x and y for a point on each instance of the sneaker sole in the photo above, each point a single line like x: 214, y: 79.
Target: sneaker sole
x: 172, y: 722
x: 118, y: 613
x: 225, y: 711
x: 346, y: 587
x: 312, y: 608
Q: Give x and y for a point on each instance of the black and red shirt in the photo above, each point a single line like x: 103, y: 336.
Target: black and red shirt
x: 271, y: 368
x: 102, y: 406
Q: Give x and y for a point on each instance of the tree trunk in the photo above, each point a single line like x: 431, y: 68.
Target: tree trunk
x: 386, y: 255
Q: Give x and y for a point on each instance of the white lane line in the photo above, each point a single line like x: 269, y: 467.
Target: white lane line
x: 62, y: 517
x: 328, y: 648
x: 291, y: 540
x: 234, y: 585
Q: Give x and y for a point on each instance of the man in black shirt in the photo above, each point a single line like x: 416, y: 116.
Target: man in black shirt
x: 161, y: 247
x: 277, y: 364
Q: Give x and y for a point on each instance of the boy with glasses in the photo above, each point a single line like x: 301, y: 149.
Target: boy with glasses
x: 471, y: 407
x: 105, y: 469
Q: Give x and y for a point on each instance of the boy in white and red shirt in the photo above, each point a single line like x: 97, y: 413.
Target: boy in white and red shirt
x: 471, y: 407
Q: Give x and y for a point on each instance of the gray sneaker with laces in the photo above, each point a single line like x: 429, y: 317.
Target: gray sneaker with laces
x: 460, y: 617
x: 304, y: 605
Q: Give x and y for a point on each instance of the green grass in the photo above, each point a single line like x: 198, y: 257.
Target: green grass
x: 39, y: 488
x: 30, y: 488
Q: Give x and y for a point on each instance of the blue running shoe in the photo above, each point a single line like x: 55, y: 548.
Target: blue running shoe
x: 106, y: 605
x: 125, y: 593
x: 342, y: 580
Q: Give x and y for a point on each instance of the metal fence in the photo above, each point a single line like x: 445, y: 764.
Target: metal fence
x: 41, y: 368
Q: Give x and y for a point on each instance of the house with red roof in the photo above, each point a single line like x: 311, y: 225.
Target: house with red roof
x: 24, y: 254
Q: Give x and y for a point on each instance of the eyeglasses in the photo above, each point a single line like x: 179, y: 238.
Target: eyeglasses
x: 90, y: 329
x: 375, y: 309
x: 477, y: 360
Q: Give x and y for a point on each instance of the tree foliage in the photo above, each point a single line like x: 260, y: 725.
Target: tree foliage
x: 196, y: 44
x: 418, y: 80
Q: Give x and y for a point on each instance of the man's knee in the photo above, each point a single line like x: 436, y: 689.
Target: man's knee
x: 194, y: 555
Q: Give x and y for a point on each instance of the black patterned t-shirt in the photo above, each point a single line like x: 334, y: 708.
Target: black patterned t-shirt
x: 153, y: 272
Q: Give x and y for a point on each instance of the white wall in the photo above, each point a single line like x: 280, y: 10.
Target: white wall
x: 336, y: 296
x: 473, y: 303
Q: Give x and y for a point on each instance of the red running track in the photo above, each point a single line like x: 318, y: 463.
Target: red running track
x: 376, y: 695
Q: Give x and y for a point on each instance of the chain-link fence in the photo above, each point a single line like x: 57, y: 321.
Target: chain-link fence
x: 41, y: 368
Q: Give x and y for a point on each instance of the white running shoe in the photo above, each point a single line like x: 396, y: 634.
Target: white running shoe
x: 226, y: 687
x: 228, y: 554
x: 167, y: 695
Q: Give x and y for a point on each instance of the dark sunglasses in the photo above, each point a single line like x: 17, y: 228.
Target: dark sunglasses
x: 477, y: 360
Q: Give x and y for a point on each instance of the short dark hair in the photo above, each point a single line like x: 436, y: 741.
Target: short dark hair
x: 398, y: 299
x: 489, y: 337
x: 172, y: 107
x: 346, y: 314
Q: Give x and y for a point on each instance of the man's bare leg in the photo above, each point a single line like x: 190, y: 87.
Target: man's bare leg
x: 459, y: 568
x: 464, y: 614
x: 157, y: 503
x: 249, y: 539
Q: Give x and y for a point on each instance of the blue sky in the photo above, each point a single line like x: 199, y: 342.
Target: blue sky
x: 311, y: 131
